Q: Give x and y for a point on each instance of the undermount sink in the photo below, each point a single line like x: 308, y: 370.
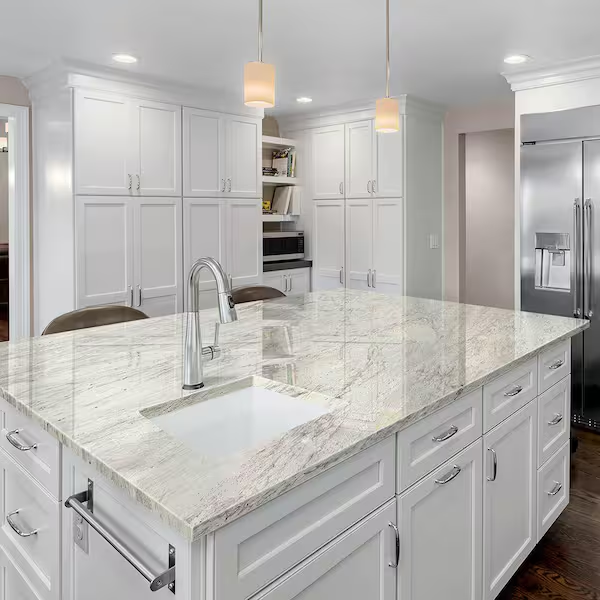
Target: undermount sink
x: 236, y: 417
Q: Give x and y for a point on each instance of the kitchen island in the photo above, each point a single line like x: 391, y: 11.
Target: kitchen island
x: 394, y: 447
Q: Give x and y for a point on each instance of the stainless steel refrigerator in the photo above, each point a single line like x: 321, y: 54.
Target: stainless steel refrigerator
x: 560, y: 250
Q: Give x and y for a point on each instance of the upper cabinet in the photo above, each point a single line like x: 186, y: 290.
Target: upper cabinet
x: 359, y: 159
x: 125, y: 146
x: 328, y: 162
x: 221, y: 155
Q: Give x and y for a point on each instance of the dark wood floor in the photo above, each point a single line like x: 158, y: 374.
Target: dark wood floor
x: 3, y: 330
x: 566, y: 563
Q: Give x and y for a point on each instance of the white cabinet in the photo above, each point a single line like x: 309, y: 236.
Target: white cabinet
x: 292, y: 282
x: 13, y: 586
x: 328, y: 244
x: 129, y: 252
x: 388, y: 245
x: 509, y: 508
x: 221, y: 155
x: 125, y: 146
x: 328, y: 162
x: 360, y: 159
x: 359, y: 244
x: 355, y: 566
x: 389, y: 170
x: 244, y: 222
x: 440, y: 520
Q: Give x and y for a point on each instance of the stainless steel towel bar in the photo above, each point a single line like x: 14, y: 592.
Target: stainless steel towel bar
x: 157, y: 582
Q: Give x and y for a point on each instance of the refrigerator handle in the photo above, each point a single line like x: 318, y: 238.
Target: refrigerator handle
x: 587, y: 265
x: 576, y: 255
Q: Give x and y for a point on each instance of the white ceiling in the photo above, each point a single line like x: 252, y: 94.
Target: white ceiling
x: 448, y: 51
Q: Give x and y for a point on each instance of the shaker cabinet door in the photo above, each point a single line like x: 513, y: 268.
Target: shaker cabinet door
x: 359, y: 159
x: 244, y: 256
x: 388, y: 245
x: 328, y: 162
x: 244, y: 148
x: 389, y: 174
x: 328, y: 245
x: 359, y: 244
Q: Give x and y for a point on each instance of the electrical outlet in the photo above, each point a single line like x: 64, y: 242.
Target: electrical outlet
x: 434, y: 241
x: 80, y: 532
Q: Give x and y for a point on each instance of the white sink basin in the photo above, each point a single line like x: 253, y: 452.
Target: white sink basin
x: 235, y: 420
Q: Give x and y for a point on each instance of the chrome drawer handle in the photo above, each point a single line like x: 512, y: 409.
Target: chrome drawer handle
x: 514, y: 392
x: 557, y: 487
x: 494, y: 465
x: 446, y: 435
x: 556, y: 364
x: 10, y: 436
x: 556, y: 420
x: 16, y: 528
x: 395, y: 564
x: 448, y: 477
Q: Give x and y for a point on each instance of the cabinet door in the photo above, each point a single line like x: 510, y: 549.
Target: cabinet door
x: 277, y: 280
x: 328, y: 162
x: 244, y: 148
x: 13, y: 585
x: 157, y: 256
x: 355, y: 566
x: 359, y: 244
x: 203, y: 153
x: 104, y: 149
x: 440, y: 522
x: 509, y: 494
x: 157, y: 133
x: 204, y: 234
x: 104, y: 242
x: 388, y: 245
x: 298, y: 282
x: 389, y: 160
x: 244, y: 258
x: 328, y: 245
x: 359, y: 159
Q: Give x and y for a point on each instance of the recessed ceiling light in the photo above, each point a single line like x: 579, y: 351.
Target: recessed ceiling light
x: 128, y: 59
x: 517, y: 59
x: 304, y: 99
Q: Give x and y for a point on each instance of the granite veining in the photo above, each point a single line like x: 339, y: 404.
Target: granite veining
x: 379, y: 363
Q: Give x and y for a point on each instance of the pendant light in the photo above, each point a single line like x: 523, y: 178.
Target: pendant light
x: 387, y: 110
x: 259, y: 77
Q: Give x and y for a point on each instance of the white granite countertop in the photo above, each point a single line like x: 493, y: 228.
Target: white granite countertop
x: 380, y: 363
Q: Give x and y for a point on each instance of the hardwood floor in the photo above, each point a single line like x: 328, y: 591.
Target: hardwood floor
x: 566, y: 563
x: 3, y: 330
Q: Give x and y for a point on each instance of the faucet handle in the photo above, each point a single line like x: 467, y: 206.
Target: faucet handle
x: 217, y: 329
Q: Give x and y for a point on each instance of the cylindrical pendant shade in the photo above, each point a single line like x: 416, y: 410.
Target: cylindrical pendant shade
x: 387, y: 115
x: 259, y: 85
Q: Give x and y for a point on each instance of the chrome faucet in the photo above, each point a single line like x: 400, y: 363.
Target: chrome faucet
x: 194, y: 352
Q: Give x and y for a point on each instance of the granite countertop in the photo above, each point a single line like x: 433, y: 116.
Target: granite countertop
x: 380, y: 363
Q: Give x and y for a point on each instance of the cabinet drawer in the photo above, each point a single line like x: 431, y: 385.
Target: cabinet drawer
x: 261, y: 546
x: 553, y: 365
x: 13, y: 586
x: 508, y: 393
x: 32, y: 541
x: 553, y: 489
x: 428, y: 443
x: 554, y: 423
x: 37, y: 452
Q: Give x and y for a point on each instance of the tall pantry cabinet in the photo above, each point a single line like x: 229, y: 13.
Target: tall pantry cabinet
x: 130, y: 190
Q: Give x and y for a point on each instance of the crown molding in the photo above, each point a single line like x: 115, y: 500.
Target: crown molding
x: 554, y: 74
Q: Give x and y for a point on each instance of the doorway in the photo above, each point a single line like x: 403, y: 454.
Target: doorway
x: 4, y: 279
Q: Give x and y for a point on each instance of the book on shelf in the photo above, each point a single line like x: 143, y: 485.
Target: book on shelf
x: 284, y: 161
x: 282, y: 198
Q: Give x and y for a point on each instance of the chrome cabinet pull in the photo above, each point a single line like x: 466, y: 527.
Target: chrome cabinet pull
x: 139, y: 184
x: 587, y: 260
x: 139, y: 289
x: 494, y: 465
x: 556, y: 364
x: 556, y: 420
x: 11, y: 437
x: 576, y: 243
x: 374, y: 186
x: 374, y: 278
x: 341, y: 187
x: 448, y: 477
x: 342, y: 275
x: 514, y: 392
x: 16, y: 528
x: 222, y: 185
x: 368, y: 187
x: 453, y: 430
x: 130, y: 288
x: 369, y: 278
x: 285, y: 283
x: 557, y: 487
x: 130, y: 181
x: 291, y: 282
x: 395, y: 564
x: 229, y: 184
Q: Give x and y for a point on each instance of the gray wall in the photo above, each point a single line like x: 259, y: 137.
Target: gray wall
x: 489, y: 218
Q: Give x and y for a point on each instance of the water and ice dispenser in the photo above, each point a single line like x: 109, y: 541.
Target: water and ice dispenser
x: 552, y: 261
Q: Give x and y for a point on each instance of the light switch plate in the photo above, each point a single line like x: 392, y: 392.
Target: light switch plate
x: 434, y: 241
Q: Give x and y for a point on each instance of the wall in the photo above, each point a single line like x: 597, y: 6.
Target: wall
x: 489, y: 218
x: 459, y: 121
x: 12, y: 91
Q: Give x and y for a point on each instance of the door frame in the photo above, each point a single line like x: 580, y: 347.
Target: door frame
x: 19, y: 225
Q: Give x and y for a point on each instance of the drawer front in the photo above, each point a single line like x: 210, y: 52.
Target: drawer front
x: 553, y: 489
x: 427, y: 444
x: 259, y: 547
x: 508, y: 393
x: 13, y: 585
x: 33, y: 448
x: 553, y: 365
x: 30, y: 527
x: 554, y: 423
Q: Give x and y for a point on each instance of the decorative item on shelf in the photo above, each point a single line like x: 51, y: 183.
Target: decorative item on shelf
x: 284, y: 161
x: 387, y: 110
x: 259, y: 77
x: 270, y: 126
x: 269, y: 171
x: 266, y: 206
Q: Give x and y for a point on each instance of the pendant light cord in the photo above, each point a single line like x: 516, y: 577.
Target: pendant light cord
x: 387, y: 47
x: 260, y: 30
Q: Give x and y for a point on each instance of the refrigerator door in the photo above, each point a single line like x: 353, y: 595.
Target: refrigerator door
x: 551, y: 217
x: 587, y: 410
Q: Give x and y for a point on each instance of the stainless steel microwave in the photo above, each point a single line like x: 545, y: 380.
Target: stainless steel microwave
x: 283, y: 245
